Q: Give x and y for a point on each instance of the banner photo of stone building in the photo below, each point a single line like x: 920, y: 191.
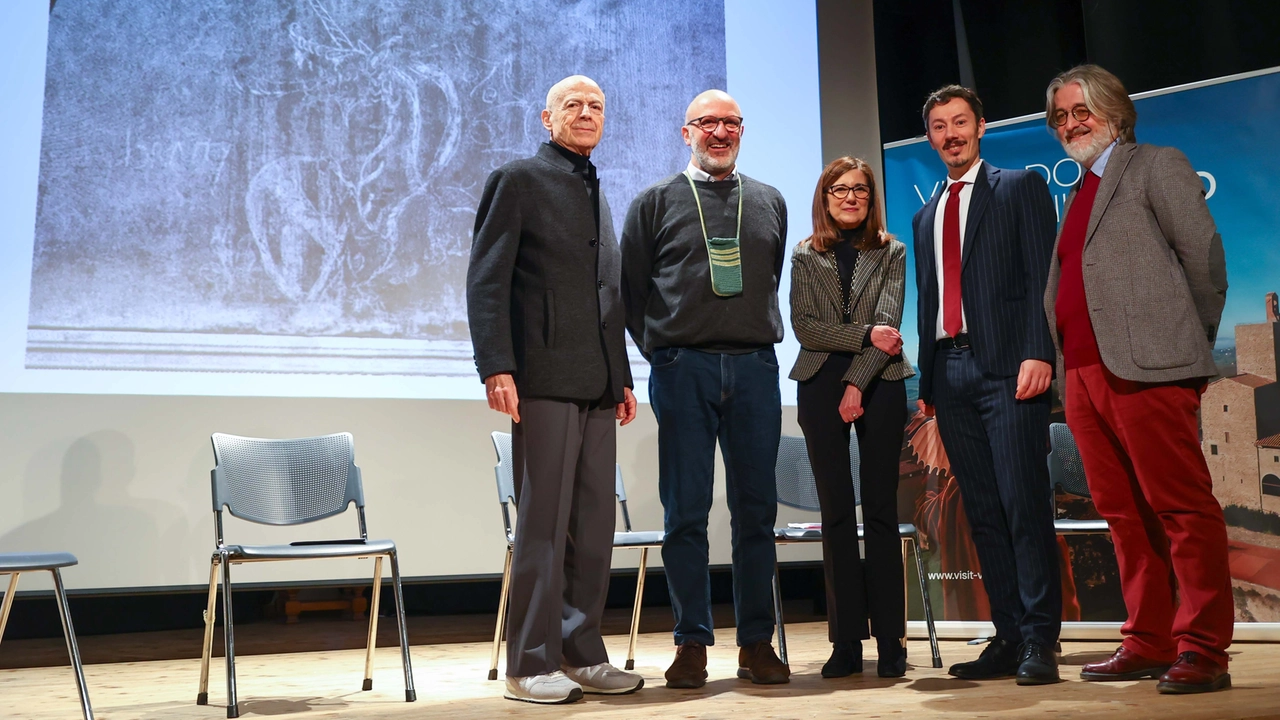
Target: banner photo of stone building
x: 1240, y: 435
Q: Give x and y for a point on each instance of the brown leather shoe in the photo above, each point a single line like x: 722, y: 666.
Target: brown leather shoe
x: 1194, y: 673
x: 1123, y: 665
x: 758, y: 663
x: 689, y: 669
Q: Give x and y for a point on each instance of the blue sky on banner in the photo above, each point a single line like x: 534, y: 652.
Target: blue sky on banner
x: 1226, y: 130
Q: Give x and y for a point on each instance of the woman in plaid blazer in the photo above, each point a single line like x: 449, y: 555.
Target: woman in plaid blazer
x: 847, y: 286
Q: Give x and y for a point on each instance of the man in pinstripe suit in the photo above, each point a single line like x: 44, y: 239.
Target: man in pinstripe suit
x: 983, y: 245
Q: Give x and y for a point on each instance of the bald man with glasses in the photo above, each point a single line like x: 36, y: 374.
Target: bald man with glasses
x: 702, y: 253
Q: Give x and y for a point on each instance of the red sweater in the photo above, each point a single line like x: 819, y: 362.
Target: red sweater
x: 1079, y: 345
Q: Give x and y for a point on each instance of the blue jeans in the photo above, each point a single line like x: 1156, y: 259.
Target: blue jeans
x: 699, y: 397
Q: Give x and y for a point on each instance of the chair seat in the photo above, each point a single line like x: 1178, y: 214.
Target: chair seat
x: 24, y: 562
x: 648, y: 538
x: 241, y: 553
x: 1081, y: 527
x: 791, y: 534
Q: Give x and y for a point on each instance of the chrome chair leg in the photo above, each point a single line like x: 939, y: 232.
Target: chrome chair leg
x: 635, y: 609
x: 410, y: 694
x: 202, y: 698
x: 928, y: 605
x: 229, y: 639
x: 7, y: 605
x: 373, y: 624
x: 905, y: 585
x: 777, y: 612
x: 502, y: 615
x: 64, y: 610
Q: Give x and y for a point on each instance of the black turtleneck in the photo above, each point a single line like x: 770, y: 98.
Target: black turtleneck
x: 583, y: 167
x: 846, y: 252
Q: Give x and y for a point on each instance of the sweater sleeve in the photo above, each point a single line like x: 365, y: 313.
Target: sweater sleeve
x: 781, y: 254
x: 637, y: 243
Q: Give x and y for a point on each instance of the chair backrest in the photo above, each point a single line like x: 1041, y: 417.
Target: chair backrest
x: 796, y: 485
x: 1065, y: 467
x: 620, y: 491
x: 285, y: 482
x: 504, y: 474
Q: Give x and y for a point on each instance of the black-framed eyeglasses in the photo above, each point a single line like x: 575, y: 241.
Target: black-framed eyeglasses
x: 709, y: 123
x: 840, y: 192
x: 1079, y: 112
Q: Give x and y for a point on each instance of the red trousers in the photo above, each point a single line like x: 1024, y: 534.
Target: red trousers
x: 1142, y: 459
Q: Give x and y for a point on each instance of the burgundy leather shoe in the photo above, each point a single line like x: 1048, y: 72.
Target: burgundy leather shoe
x: 1123, y: 665
x: 1194, y: 673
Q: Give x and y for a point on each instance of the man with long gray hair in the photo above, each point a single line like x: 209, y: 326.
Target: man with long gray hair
x: 546, y: 322
x: 1135, y: 294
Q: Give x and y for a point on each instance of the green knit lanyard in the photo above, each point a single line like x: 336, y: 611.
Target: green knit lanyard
x: 723, y: 254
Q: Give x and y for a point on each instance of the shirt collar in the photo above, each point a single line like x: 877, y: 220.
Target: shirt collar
x: 581, y: 163
x: 970, y: 177
x: 1100, y: 165
x: 698, y: 173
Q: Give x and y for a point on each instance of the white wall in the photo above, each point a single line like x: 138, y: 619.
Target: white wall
x: 123, y: 483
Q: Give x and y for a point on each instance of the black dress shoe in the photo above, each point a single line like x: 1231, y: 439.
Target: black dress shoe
x: 892, y: 661
x: 846, y: 659
x: 1037, y: 665
x: 893, y: 665
x: 999, y: 660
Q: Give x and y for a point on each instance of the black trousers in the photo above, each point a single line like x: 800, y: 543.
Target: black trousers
x: 997, y: 447
x: 856, y: 590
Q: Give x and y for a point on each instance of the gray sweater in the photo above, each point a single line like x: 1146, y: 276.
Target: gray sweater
x: 666, y: 275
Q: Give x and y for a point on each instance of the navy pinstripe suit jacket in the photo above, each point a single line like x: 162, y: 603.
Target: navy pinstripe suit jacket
x: 1008, y: 244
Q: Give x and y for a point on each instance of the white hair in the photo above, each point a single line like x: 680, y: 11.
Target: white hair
x: 560, y: 89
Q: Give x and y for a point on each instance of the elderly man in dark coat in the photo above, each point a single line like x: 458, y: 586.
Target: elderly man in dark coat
x: 547, y: 324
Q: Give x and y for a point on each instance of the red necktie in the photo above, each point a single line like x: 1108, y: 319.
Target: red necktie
x: 951, y: 320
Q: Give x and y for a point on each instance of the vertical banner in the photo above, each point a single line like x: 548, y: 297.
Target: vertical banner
x: 1226, y: 129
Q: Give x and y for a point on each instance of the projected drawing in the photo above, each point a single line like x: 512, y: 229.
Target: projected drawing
x: 289, y: 186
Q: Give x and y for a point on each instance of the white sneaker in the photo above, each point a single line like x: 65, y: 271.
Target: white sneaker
x: 604, y: 679
x: 551, y: 689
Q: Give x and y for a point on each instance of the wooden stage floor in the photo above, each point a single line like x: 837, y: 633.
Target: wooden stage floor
x: 451, y: 683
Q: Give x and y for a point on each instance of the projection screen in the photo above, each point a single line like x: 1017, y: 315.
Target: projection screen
x: 255, y: 218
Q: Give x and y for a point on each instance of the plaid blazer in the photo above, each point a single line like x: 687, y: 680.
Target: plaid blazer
x: 817, y: 311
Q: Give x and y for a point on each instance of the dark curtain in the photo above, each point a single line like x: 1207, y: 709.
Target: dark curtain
x: 1017, y: 46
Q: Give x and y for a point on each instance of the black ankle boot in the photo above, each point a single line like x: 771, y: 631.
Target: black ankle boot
x: 846, y: 659
x: 892, y: 662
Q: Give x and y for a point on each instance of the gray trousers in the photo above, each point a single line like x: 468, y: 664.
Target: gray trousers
x: 564, y: 454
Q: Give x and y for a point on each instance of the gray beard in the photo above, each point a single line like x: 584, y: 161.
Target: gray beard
x: 1086, y: 154
x: 710, y: 165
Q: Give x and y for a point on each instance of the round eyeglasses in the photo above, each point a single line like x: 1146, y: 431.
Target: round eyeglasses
x: 709, y: 123
x: 840, y: 192
x: 1079, y: 112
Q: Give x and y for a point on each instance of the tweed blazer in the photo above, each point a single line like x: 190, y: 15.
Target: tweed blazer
x: 1155, y: 275
x: 543, y: 286
x: 817, y: 311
